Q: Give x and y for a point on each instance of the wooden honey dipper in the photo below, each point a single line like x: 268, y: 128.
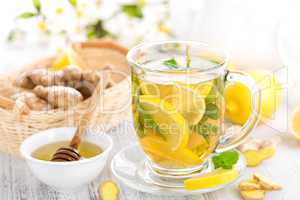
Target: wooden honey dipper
x: 71, y: 153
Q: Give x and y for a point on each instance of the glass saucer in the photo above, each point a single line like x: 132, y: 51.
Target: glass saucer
x: 130, y: 167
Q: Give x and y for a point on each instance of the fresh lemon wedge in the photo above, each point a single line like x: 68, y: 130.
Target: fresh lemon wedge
x: 239, y: 100
x: 61, y: 62
x: 187, y: 99
x: 173, y: 126
x: 295, y: 123
x: 161, y: 149
x: 212, y: 179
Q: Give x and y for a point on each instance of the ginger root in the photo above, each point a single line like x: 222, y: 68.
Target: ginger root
x: 109, y: 190
x: 255, y: 188
x: 59, y: 96
x: 256, y: 157
x: 17, y: 106
x: 256, y: 144
x: 31, y: 100
x: 250, y: 184
x: 266, y: 183
x: 24, y: 81
x: 258, y: 150
x: 72, y: 76
x: 253, y: 194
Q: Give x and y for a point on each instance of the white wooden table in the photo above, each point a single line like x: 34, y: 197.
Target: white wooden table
x: 17, y: 182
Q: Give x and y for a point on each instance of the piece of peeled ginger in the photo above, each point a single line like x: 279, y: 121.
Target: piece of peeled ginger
x: 250, y: 184
x: 109, y: 190
x: 256, y: 157
x: 266, y: 183
x: 253, y: 194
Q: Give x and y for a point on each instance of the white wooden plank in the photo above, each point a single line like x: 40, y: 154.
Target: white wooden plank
x: 16, y: 181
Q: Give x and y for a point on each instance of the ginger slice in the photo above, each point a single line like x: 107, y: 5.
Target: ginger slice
x: 109, y: 190
x: 250, y: 184
x: 266, y: 183
x: 256, y: 157
x: 253, y: 194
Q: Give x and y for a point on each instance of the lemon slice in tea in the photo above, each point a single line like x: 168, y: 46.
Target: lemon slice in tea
x: 188, y: 103
x: 164, y: 90
x: 187, y: 99
x: 159, y: 148
x: 171, y: 123
x: 202, y: 89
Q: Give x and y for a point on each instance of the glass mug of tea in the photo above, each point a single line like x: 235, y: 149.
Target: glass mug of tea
x: 178, y: 104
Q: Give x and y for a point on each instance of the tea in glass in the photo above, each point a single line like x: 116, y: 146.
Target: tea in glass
x: 177, y: 113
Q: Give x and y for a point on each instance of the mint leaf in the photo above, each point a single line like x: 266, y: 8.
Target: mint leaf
x: 212, y: 111
x: 37, y: 4
x: 171, y: 63
x: 132, y: 10
x: 205, y: 130
x: 225, y: 160
x: 26, y: 15
x: 150, y: 123
x: 137, y: 125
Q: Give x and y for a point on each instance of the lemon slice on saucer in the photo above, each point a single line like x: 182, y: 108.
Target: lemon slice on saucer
x: 173, y: 126
x: 212, y: 179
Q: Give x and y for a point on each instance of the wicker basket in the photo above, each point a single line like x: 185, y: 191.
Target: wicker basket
x: 116, y: 99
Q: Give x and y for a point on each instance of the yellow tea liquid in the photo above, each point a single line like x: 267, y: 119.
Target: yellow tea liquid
x: 177, y: 115
x: 86, y: 150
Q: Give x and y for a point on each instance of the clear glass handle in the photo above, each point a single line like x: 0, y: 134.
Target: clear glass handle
x: 231, y: 141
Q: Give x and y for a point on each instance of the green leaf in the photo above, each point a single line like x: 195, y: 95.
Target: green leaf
x: 73, y: 2
x: 171, y: 63
x: 132, y: 10
x: 212, y: 111
x: 214, y: 128
x: 26, y: 15
x: 225, y: 160
x: 146, y: 121
x: 137, y: 125
x: 205, y: 130
x: 37, y: 4
x: 97, y: 30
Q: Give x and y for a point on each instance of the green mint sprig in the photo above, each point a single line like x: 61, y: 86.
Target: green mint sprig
x: 225, y: 160
x: 171, y: 63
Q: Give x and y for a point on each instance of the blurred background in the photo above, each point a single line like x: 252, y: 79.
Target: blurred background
x: 257, y: 34
x: 245, y: 28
